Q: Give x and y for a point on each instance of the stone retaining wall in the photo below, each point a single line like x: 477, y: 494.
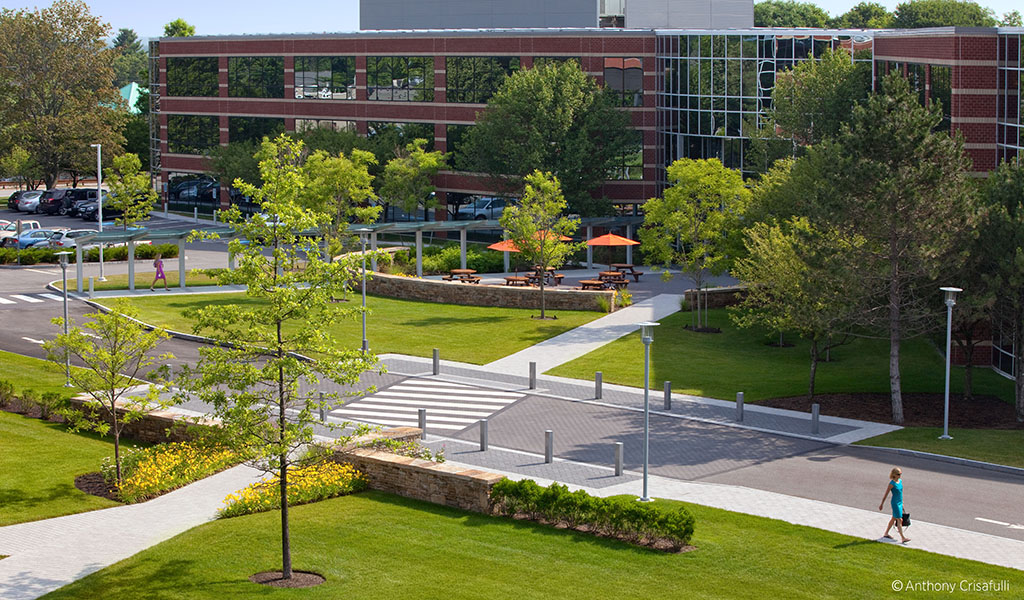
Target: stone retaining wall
x: 448, y: 292
x: 719, y: 297
x: 155, y: 427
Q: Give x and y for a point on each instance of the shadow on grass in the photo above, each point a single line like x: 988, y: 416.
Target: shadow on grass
x: 854, y: 544
x: 455, y: 320
x: 15, y: 496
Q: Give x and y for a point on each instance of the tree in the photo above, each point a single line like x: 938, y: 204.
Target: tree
x: 691, y: 225
x: 537, y: 225
x: 61, y: 80
x: 891, y: 178
x: 236, y: 160
x: 115, y: 352
x: 916, y: 14
x: 550, y: 118
x: 136, y: 136
x: 789, y: 13
x: 18, y: 163
x: 1004, y: 237
x: 1011, y: 19
x: 811, y: 101
x: 130, y: 190
x: 131, y: 62
x: 127, y: 40
x: 408, y: 177
x: 281, y: 335
x: 866, y: 15
x: 179, y: 28
x: 342, y: 187
x: 797, y: 280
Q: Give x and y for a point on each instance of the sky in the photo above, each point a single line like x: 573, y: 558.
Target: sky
x: 219, y: 17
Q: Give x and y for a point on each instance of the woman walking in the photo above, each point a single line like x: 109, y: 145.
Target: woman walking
x: 896, y: 503
x: 158, y: 264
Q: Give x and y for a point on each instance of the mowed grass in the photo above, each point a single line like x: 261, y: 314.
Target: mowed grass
x: 143, y: 279
x: 25, y: 372
x: 38, y: 465
x: 740, y: 360
x: 473, y: 334
x: 1000, y: 446
x: 377, y: 546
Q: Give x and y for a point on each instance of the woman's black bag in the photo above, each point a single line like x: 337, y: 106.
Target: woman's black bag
x: 906, y: 519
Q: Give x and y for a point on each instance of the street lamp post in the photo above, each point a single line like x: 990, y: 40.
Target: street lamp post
x: 647, y: 334
x: 99, y: 198
x: 362, y: 242
x: 64, y: 277
x: 951, y: 293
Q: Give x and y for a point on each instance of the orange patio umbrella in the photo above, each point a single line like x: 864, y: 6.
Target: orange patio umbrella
x: 504, y: 246
x: 610, y: 239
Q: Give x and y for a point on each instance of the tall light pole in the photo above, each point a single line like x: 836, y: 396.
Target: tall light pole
x: 647, y: 334
x: 99, y: 198
x: 363, y: 231
x: 951, y: 293
x: 64, y: 277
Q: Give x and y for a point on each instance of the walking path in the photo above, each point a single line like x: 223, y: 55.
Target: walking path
x: 45, y: 555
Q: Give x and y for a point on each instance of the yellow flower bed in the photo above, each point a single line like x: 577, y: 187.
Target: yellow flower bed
x: 152, y: 471
x: 306, y: 484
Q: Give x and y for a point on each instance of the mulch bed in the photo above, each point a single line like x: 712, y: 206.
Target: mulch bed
x: 919, y: 410
x: 94, y: 484
x: 299, y: 579
x: 702, y: 329
x: 659, y: 544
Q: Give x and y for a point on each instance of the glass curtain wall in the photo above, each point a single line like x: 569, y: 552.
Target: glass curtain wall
x: 1010, y: 121
x: 713, y: 87
x: 256, y: 77
x: 325, y: 77
x: 400, y: 78
x: 474, y: 79
x: 192, y: 76
x: 192, y: 134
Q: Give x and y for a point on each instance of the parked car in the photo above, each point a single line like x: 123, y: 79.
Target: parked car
x: 90, y: 210
x: 60, y: 201
x: 66, y: 239
x: 29, y: 202
x: 11, y: 229
x: 29, y: 238
x: 76, y: 206
x: 12, y: 200
x: 482, y: 208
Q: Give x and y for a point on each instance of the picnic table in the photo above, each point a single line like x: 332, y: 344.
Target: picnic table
x: 516, y: 280
x: 591, y: 284
x: 611, y: 276
x: 627, y: 269
x: 549, y: 276
x: 462, y: 275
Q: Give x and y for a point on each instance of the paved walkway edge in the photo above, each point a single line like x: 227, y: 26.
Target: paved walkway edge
x: 956, y: 460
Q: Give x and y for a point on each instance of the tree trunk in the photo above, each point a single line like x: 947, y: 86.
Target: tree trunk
x: 543, y: 275
x: 814, y: 366
x: 286, y: 550
x: 116, y: 429
x: 894, y: 351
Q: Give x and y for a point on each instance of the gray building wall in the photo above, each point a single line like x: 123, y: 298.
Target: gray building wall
x: 476, y: 14
x: 689, y: 14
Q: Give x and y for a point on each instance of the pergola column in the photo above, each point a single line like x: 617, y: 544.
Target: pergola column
x: 419, y: 253
x: 131, y: 266
x: 79, y: 270
x: 181, y: 263
x: 590, y: 249
x: 629, y: 249
x: 462, y: 247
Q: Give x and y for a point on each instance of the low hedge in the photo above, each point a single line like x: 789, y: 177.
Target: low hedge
x: 622, y: 518
x: 32, y: 256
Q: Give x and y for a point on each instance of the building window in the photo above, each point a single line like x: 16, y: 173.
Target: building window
x: 186, y: 191
x: 942, y: 92
x: 256, y: 77
x: 253, y: 129
x: 192, y: 134
x: 631, y: 162
x: 388, y: 135
x: 302, y: 125
x: 325, y: 77
x: 400, y: 78
x: 192, y: 76
x: 454, y: 137
x: 625, y: 77
x: 474, y: 79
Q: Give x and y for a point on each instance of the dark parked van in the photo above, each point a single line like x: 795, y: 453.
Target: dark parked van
x: 61, y: 201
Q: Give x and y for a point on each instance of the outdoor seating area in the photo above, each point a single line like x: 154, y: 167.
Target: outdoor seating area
x: 627, y: 269
x: 462, y: 276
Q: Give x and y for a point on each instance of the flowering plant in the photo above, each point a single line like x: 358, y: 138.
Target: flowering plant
x: 149, y: 472
x: 311, y: 483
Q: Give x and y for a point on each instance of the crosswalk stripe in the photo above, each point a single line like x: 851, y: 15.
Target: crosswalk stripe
x: 431, y: 409
x: 385, y: 414
x: 6, y: 301
x: 25, y: 298
x: 54, y: 297
x: 407, y: 423
x: 388, y: 393
x: 417, y: 387
x: 438, y: 403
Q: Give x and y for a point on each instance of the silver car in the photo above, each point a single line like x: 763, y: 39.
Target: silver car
x: 66, y: 239
x: 29, y: 202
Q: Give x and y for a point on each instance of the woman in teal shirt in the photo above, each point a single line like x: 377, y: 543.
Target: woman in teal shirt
x: 896, y: 487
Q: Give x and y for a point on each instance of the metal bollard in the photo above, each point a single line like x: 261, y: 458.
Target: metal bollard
x: 618, y: 458
x: 483, y: 435
x: 165, y: 208
x: 815, y: 414
x: 549, y: 445
x: 423, y: 423
x: 214, y: 216
x: 90, y: 287
x: 668, y: 395
x: 195, y: 214
x: 598, y: 382
x: 739, y: 407
x: 323, y: 409
x: 533, y: 375
x: 437, y: 361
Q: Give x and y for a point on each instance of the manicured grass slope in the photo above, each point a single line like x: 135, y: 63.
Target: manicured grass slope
x: 32, y: 373
x: 1004, y: 447
x: 739, y: 360
x: 473, y: 334
x: 374, y: 545
x: 38, y: 465
x: 143, y: 279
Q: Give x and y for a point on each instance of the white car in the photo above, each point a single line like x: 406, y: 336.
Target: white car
x: 482, y: 209
x: 66, y: 239
x: 29, y: 202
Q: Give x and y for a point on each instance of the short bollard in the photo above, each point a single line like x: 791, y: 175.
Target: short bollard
x: 739, y: 407
x: 423, y: 423
x: 618, y: 458
x: 815, y: 413
x: 323, y: 409
x: 437, y: 361
x: 90, y: 287
x: 533, y: 375
x: 668, y: 395
x: 549, y: 445
x: 598, y: 383
x: 483, y: 435
x: 165, y: 208
x: 195, y: 214
x: 215, y: 216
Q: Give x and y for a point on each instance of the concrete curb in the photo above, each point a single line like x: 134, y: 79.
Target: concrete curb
x: 967, y: 462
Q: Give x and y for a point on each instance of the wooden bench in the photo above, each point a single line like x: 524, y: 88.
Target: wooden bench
x: 468, y: 279
x: 591, y: 284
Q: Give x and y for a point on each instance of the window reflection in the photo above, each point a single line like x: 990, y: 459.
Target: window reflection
x: 400, y: 78
x: 474, y: 79
x: 253, y: 129
x: 625, y: 77
x: 188, y: 76
x: 256, y: 77
x: 325, y: 77
x: 192, y: 134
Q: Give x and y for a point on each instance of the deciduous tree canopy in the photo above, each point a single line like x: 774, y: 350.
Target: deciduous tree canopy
x: 916, y: 14
x: 789, y: 13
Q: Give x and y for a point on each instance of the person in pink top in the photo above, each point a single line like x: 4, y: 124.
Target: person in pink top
x: 158, y: 264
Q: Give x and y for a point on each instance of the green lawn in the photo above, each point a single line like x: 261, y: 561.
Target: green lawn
x: 32, y: 373
x: 473, y: 334
x: 374, y: 545
x: 143, y: 279
x: 1000, y: 446
x: 738, y: 360
x: 38, y: 465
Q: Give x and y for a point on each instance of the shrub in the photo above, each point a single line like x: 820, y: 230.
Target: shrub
x: 149, y: 472
x: 410, y: 449
x: 6, y: 393
x: 306, y: 484
x: 621, y: 518
x: 28, y: 399
x: 51, y: 403
x: 623, y: 298
x: 602, y: 303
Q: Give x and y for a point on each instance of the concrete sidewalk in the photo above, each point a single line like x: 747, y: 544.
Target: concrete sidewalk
x: 45, y: 555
